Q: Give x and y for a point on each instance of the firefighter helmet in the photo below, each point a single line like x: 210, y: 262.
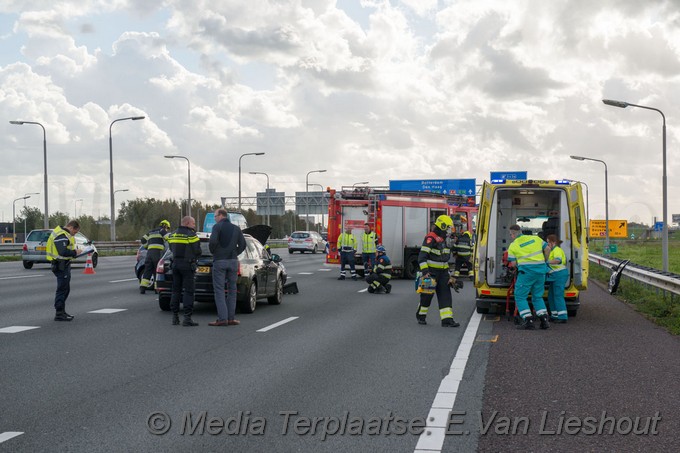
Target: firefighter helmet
x: 164, y: 223
x: 443, y: 222
x: 380, y: 249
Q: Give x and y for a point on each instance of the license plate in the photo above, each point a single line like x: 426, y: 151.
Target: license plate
x: 203, y: 269
x: 41, y: 248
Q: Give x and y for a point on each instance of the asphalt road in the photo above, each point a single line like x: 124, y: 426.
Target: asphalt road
x: 336, y: 369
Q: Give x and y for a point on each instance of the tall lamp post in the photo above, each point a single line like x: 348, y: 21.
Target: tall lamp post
x: 239, y: 175
x: 606, y: 197
x: 113, y: 211
x: 307, y: 195
x: 664, y: 180
x: 14, y: 234
x: 188, y: 179
x: 46, y: 223
x: 27, y: 195
x: 263, y: 173
x: 114, y: 203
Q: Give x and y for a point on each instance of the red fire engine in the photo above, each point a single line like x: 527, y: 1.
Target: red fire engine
x: 400, y: 219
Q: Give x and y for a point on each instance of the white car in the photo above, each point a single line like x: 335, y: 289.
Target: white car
x: 306, y: 241
x: 34, y: 248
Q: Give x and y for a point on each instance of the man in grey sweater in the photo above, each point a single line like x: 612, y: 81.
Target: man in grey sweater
x: 226, y: 244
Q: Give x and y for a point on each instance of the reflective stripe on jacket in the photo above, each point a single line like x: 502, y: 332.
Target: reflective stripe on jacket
x: 60, y: 236
x: 368, y: 241
x: 184, y: 244
x: 464, y: 246
x: 383, y: 267
x: 347, y: 242
x: 557, y: 254
x: 527, y: 250
x: 155, y: 239
x: 434, y: 253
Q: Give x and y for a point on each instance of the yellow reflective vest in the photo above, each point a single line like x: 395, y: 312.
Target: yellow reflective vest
x: 51, y: 249
x: 368, y: 242
x: 347, y: 242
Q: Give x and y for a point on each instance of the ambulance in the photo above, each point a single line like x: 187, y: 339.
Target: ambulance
x: 539, y: 207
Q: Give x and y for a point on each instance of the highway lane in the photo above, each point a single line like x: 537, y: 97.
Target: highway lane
x: 91, y: 385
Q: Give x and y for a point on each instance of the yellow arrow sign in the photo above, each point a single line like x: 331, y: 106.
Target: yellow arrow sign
x: 617, y: 229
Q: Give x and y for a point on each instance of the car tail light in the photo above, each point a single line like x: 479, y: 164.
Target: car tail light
x: 308, y: 240
x: 160, y: 269
x: 24, y: 248
x: 290, y: 239
x: 239, y: 269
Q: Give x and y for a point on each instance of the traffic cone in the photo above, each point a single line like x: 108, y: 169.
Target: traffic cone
x: 89, y: 269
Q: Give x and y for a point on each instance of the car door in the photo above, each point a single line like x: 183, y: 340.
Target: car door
x: 256, y: 251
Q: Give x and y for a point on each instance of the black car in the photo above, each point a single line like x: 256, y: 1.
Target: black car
x: 260, y: 275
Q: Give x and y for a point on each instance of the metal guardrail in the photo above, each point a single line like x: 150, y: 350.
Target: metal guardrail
x: 665, y: 281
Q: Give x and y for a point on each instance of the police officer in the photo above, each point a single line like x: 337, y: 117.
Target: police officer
x: 382, y: 273
x: 463, y: 248
x: 347, y: 246
x: 60, y: 250
x: 529, y: 254
x: 369, y: 240
x: 154, y: 243
x: 433, y: 260
x: 186, y: 248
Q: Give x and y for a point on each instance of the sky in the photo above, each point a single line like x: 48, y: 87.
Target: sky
x: 369, y: 90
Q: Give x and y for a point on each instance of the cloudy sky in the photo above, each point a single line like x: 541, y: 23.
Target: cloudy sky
x: 370, y: 90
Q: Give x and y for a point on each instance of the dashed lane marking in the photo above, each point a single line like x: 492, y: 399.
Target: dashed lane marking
x: 363, y: 290
x: 305, y: 273
x: 124, y: 280
x: 432, y: 438
x: 17, y: 329
x: 324, y: 270
x: 108, y: 311
x: 9, y: 435
x: 21, y: 276
x: 277, y: 324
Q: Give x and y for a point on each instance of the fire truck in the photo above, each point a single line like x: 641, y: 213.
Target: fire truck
x: 400, y: 219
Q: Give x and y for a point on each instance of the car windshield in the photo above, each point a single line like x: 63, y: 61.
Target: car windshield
x: 300, y: 235
x: 38, y: 235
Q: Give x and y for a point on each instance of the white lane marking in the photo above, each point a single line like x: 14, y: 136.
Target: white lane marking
x: 108, y: 310
x: 432, y: 438
x: 8, y: 435
x: 21, y: 276
x: 363, y: 290
x: 17, y: 329
x: 324, y: 270
x: 124, y: 280
x: 277, y: 324
x: 305, y: 273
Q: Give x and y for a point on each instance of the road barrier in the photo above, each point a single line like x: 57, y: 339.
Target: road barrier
x: 664, y: 281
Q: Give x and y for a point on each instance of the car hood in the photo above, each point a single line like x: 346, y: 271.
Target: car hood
x: 259, y: 232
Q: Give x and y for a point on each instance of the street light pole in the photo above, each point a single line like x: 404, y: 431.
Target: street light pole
x: 27, y: 195
x: 664, y: 179
x: 307, y: 195
x: 14, y: 234
x: 113, y: 212
x: 46, y: 223
x: 113, y: 199
x: 188, y: 180
x: 606, y: 197
x: 239, y: 175
x: 263, y: 173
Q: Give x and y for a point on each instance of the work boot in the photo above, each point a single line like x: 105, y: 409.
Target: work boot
x: 142, y: 290
x: 342, y: 277
x: 63, y: 316
x: 354, y: 277
x: 526, y: 323
x: 188, y: 322
x: 175, y: 319
x: 449, y: 322
x: 388, y: 288
x: 371, y: 289
x: 544, y: 322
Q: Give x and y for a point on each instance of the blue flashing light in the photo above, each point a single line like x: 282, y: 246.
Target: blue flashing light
x: 564, y: 182
x: 498, y: 181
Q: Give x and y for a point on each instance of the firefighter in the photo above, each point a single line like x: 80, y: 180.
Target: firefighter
x: 433, y: 260
x: 369, y: 240
x: 463, y: 249
x: 529, y: 254
x: 557, y: 279
x: 379, y: 279
x: 347, y: 246
x: 154, y: 243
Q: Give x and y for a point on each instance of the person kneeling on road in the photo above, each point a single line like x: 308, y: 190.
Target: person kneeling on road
x: 379, y: 279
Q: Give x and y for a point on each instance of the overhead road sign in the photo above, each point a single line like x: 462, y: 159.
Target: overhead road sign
x: 617, y: 229
x: 444, y: 186
x: 523, y: 175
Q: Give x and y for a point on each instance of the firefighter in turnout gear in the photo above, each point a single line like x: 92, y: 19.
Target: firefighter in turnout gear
x: 154, y: 243
x: 369, y: 240
x: 379, y: 279
x: 433, y: 261
x: 186, y: 249
x: 529, y: 254
x: 463, y: 249
x: 347, y: 246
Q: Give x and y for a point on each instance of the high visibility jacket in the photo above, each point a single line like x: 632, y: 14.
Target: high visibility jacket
x: 347, y: 242
x: 155, y: 239
x: 434, y: 253
x: 60, y: 240
x: 557, y: 254
x: 184, y: 244
x: 383, y: 267
x: 527, y: 251
x: 464, y: 245
x: 369, y: 241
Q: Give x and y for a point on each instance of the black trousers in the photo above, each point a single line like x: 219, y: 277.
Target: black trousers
x: 63, y: 284
x: 150, y: 263
x: 442, y: 290
x: 377, y: 278
x: 183, y: 285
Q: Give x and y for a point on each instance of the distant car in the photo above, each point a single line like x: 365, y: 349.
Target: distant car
x: 260, y: 275
x: 306, y: 241
x: 34, y: 249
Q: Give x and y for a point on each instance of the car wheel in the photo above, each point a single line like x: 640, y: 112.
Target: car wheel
x: 249, y: 305
x: 314, y: 251
x: 28, y: 264
x: 277, y: 298
x: 164, y: 301
x: 95, y: 258
x: 290, y: 251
